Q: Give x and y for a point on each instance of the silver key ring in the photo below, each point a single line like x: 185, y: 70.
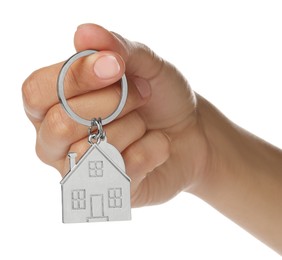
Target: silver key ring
x: 63, y: 101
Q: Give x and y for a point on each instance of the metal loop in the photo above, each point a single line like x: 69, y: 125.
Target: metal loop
x: 62, y: 98
x: 100, y: 135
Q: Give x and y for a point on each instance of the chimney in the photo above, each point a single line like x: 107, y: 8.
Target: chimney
x: 72, y: 156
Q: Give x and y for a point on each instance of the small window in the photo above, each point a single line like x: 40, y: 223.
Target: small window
x: 78, y: 199
x: 115, y: 198
x: 96, y: 168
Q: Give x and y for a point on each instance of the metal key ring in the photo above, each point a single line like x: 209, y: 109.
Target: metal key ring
x: 63, y: 101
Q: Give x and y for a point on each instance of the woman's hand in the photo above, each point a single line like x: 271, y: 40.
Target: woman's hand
x: 171, y: 138
x: 158, y: 132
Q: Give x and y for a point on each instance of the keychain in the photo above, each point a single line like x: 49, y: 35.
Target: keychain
x: 96, y: 188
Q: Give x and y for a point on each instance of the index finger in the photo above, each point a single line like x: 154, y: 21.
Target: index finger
x: 86, y: 74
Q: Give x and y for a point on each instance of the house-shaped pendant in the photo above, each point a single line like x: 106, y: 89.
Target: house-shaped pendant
x: 96, y: 188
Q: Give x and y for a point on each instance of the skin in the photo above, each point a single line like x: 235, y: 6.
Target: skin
x: 171, y: 138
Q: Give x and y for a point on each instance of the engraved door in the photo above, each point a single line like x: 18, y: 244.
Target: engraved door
x: 97, y: 206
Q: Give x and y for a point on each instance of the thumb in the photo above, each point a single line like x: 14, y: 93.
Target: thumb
x: 151, y: 74
x: 140, y: 60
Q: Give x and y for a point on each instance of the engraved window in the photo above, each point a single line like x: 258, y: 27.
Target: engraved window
x: 78, y: 199
x: 96, y: 168
x: 115, y: 198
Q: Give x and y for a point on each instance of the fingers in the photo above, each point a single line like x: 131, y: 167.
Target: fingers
x: 87, y: 74
x: 144, y: 156
x: 58, y: 131
x: 117, y: 132
x: 157, y: 187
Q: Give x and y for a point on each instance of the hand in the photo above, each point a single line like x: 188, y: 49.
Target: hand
x: 171, y: 138
x: 158, y: 132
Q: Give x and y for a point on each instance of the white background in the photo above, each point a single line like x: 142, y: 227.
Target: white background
x: 231, y: 53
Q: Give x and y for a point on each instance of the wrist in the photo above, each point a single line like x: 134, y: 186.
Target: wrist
x: 222, y: 147
x: 242, y: 177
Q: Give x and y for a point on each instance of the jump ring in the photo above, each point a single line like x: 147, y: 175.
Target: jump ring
x: 99, y: 135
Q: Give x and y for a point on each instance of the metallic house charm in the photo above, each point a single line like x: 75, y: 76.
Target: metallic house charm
x: 96, y: 188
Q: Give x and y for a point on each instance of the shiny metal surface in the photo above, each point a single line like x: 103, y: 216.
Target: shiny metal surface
x: 96, y: 188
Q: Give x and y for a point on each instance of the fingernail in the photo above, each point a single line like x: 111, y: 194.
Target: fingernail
x: 143, y: 87
x: 106, y: 67
x: 81, y: 26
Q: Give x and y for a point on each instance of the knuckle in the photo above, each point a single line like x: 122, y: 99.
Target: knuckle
x: 72, y: 77
x: 162, y: 148
x: 40, y: 152
x: 117, y: 91
x: 137, y: 123
x: 162, y: 141
x: 30, y: 91
x: 58, y: 124
x: 139, y: 158
x: 141, y: 196
x: 156, y: 64
x: 143, y: 46
x: 150, y: 152
x: 44, y: 154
